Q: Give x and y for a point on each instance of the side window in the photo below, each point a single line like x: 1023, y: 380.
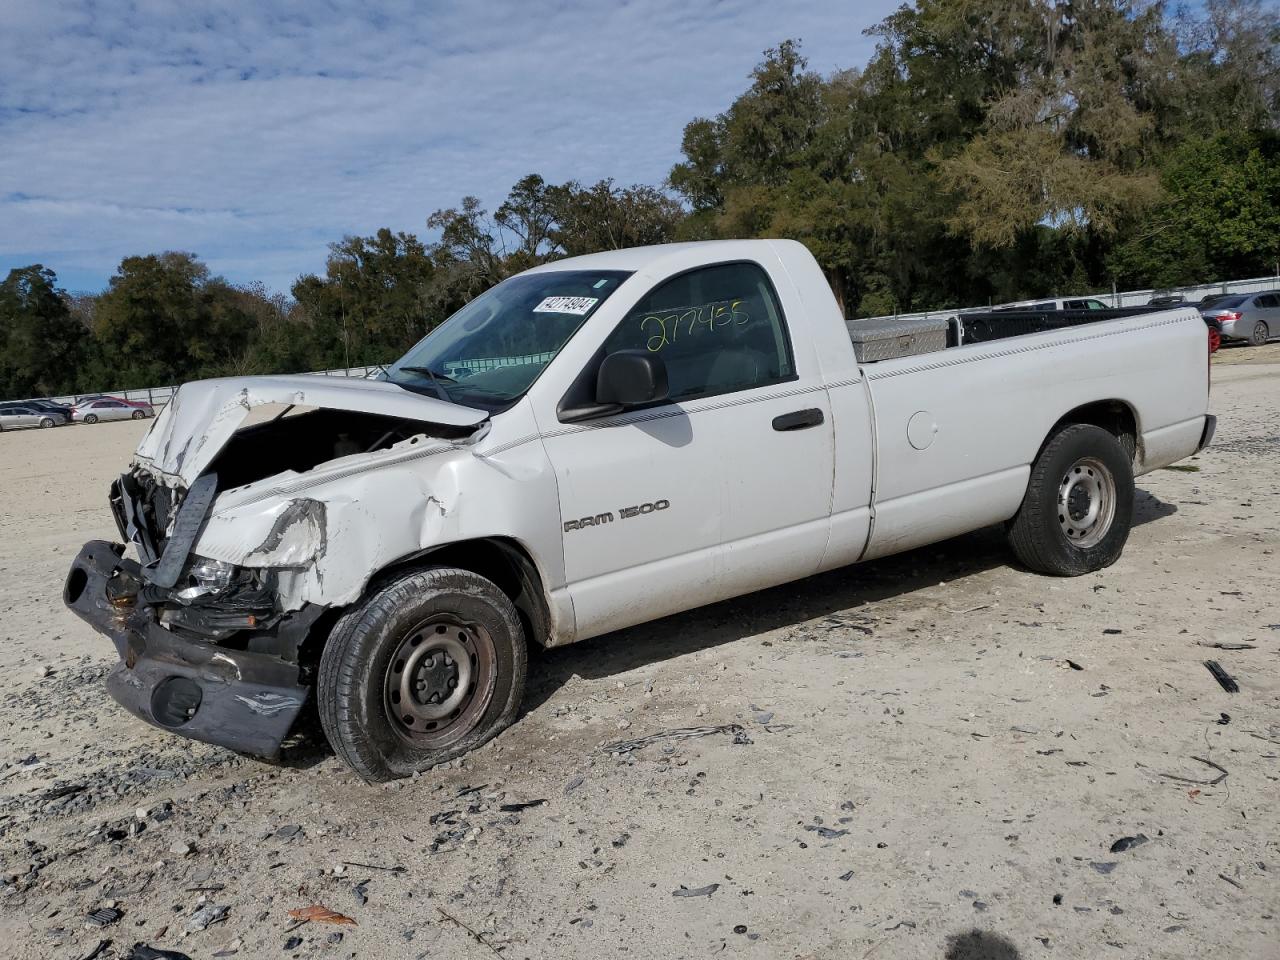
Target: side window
x: 1073, y: 305
x: 718, y: 329
x: 1096, y: 305
x: 1268, y: 300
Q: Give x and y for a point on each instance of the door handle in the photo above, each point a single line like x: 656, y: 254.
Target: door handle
x: 798, y: 420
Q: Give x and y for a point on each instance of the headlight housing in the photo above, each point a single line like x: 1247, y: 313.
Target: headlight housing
x: 204, y: 578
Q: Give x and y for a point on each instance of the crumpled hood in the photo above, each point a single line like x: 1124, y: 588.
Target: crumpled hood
x: 202, y: 415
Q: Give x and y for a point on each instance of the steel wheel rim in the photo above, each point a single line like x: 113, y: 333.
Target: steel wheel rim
x: 439, y: 681
x: 1086, y: 502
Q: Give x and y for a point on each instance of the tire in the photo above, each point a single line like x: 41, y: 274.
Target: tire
x: 1078, y: 507
x: 91, y: 418
x: 1259, y: 335
x: 372, y: 663
x: 46, y: 422
x: 137, y: 415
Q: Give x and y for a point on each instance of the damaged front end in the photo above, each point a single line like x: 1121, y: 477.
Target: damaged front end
x: 222, y: 668
x: 232, y: 526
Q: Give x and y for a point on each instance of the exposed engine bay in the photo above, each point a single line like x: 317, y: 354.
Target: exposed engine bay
x: 303, y: 441
x: 214, y: 600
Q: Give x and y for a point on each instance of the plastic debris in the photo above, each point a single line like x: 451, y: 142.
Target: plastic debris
x: 320, y: 914
x: 706, y: 891
x: 517, y: 807
x: 826, y: 833
x: 206, y: 916
x: 1128, y: 843
x: 681, y: 733
x: 142, y: 951
x: 1225, y: 680
x: 103, y: 917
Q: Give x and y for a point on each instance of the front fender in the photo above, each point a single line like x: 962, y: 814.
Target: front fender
x: 325, y: 541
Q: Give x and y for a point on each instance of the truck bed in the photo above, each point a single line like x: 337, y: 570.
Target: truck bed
x: 887, y: 339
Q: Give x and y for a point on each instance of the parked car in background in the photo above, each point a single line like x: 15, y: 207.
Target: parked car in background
x: 1056, y: 303
x: 15, y: 416
x: 1252, y: 317
x: 1166, y: 299
x: 111, y: 408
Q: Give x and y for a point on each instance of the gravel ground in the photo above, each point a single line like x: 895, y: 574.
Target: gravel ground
x: 928, y: 756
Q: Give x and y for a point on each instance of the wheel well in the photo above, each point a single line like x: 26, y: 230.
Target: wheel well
x: 1114, y: 416
x: 501, y: 560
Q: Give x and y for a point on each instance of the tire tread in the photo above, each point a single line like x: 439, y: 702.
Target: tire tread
x: 341, y: 680
x: 1033, y: 532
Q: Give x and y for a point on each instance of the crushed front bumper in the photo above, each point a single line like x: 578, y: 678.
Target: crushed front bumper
x: 243, y: 700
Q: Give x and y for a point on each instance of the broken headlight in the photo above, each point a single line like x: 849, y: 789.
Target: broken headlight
x: 204, y: 578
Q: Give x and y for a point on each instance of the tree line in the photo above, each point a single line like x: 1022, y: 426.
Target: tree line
x: 990, y: 150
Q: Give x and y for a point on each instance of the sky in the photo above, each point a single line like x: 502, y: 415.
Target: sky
x: 255, y: 132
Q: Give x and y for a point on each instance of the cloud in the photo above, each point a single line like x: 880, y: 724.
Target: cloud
x: 255, y: 134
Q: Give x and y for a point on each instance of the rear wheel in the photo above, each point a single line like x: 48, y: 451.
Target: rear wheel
x: 430, y: 666
x: 91, y: 418
x: 1259, y: 335
x: 1076, y: 514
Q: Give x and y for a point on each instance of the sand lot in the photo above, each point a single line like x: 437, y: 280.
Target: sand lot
x: 938, y: 752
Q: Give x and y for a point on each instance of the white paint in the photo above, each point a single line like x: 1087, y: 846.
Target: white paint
x: 202, y: 416
x: 921, y: 429
x: 909, y: 451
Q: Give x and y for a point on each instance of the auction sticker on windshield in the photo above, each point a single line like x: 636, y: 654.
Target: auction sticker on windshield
x: 578, y: 306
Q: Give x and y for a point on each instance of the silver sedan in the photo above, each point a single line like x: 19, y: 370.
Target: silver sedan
x: 17, y: 416
x: 109, y: 408
x: 1253, y: 317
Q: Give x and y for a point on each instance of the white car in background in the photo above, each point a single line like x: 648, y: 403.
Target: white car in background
x: 1055, y: 303
x: 110, y: 408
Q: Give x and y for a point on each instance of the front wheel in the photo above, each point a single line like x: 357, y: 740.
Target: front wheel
x: 428, y: 667
x: 1259, y: 335
x: 46, y: 422
x: 1076, y: 513
x: 137, y: 415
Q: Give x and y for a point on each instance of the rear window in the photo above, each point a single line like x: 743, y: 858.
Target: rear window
x: 1229, y: 301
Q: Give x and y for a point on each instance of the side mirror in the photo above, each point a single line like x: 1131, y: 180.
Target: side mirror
x: 629, y: 378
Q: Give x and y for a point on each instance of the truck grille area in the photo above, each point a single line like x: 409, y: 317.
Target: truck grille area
x: 143, y: 510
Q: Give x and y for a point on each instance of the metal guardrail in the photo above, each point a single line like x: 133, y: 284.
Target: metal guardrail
x: 1116, y: 299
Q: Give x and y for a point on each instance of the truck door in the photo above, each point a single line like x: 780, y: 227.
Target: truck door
x: 723, y: 488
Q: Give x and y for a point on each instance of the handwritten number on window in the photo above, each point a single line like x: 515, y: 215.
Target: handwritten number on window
x: 662, y: 329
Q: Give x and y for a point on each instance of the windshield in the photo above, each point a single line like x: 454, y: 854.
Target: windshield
x: 490, y: 352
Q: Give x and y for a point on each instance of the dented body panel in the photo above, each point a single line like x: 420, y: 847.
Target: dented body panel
x: 202, y: 416
x: 607, y: 521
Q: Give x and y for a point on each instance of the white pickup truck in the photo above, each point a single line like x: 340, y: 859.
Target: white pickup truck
x: 594, y: 443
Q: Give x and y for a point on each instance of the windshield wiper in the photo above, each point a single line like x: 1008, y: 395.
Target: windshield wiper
x: 433, y: 374
x: 441, y: 392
